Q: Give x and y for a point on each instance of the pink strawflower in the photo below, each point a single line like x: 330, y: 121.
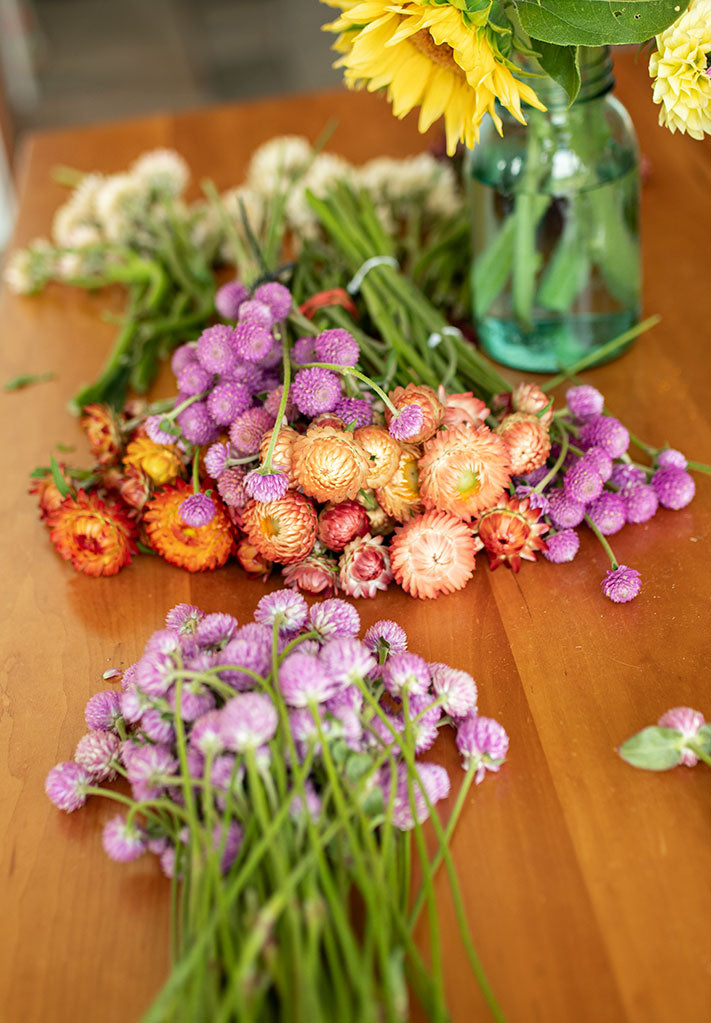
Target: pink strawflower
x: 562, y: 546
x: 184, y: 619
x: 385, y: 638
x: 584, y: 402
x: 430, y: 786
x: 622, y: 584
x: 66, y: 785
x: 277, y: 297
x: 336, y: 346
x: 228, y: 400
x: 600, y: 461
x: 347, y: 661
x: 303, y: 680
x: 317, y: 574
x: 641, y: 502
x: 197, y: 425
x: 674, y: 487
x: 609, y: 512
x: 285, y: 609
x: 687, y: 721
x: 338, y: 524
x: 483, y: 743
x: 248, y: 429
x: 582, y: 483
x: 266, y: 486
x: 670, y: 458
x: 407, y: 422
x: 565, y: 513
x: 354, y: 411
x: 153, y: 428
x: 248, y: 721
x: 97, y: 753
x: 181, y: 357
x: 197, y: 510
x: 194, y: 378
x: 315, y: 391
x: 406, y: 672
x: 215, y: 629
x: 456, y: 690
x: 215, y: 349
x: 253, y: 340
x: 230, y: 487
x: 607, y: 433
x: 364, y: 567
x: 102, y: 711
x: 122, y: 841
x: 335, y: 617
x: 229, y: 298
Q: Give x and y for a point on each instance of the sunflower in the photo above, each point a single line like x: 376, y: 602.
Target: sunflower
x: 195, y: 548
x: 427, y: 56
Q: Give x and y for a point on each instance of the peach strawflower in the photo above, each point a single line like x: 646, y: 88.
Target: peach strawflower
x: 528, y: 397
x: 134, y: 488
x: 102, y: 430
x: 329, y: 419
x: 512, y: 531
x: 463, y: 470
x: 329, y: 464
x: 400, y: 496
x: 462, y: 409
x: 283, y: 530
x: 252, y: 561
x: 383, y: 453
x: 433, y: 554
x: 426, y: 398
x: 527, y: 441
x: 195, y: 548
x: 160, y: 462
x: 96, y: 536
x: 283, y: 449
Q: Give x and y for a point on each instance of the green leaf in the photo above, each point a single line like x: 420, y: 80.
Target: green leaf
x: 702, y: 739
x: 26, y: 380
x: 59, y: 481
x: 597, y: 22
x: 561, y: 63
x: 357, y: 766
x: 40, y: 472
x: 65, y: 448
x: 654, y: 749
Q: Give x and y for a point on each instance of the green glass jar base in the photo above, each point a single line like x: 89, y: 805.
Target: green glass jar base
x: 555, y: 344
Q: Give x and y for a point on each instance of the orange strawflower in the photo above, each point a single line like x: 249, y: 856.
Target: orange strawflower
x: 433, y: 554
x: 283, y: 530
x: 252, y: 561
x: 425, y: 397
x: 96, y: 536
x: 160, y: 462
x: 49, y: 496
x: 329, y: 464
x: 195, y: 548
x: 134, y: 488
x: 400, y: 496
x: 102, y: 430
x: 527, y: 441
x: 512, y: 531
x: 462, y: 409
x: 283, y: 449
x: 463, y: 470
x: 383, y: 453
x: 530, y: 398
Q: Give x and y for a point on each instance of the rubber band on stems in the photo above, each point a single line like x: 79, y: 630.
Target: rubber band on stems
x: 438, y: 336
x: 355, y: 284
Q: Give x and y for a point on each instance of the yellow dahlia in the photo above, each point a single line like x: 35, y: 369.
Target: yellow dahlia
x: 96, y: 536
x: 433, y: 554
x: 329, y: 464
x: 511, y: 531
x: 400, y: 496
x: 464, y: 470
x: 679, y: 68
x: 383, y: 453
x: 527, y: 441
x: 425, y: 397
x: 283, y: 530
x: 160, y: 462
x: 195, y: 548
x: 428, y: 56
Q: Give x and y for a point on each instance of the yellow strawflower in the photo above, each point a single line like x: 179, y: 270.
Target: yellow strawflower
x: 679, y: 68
x: 428, y: 57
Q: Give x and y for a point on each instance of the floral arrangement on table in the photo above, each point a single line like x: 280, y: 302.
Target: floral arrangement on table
x: 273, y: 771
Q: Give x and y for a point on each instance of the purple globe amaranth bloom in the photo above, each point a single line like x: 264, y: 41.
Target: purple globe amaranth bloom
x: 687, y: 721
x: 248, y: 429
x: 197, y: 425
x: 607, y: 433
x: 565, y: 513
x: 181, y: 357
x: 122, y: 841
x: 670, y: 458
x: 97, y: 752
x: 277, y: 297
x: 147, y: 768
x: 303, y: 680
x: 216, y: 628
x: 407, y: 422
x: 285, y: 608
x: 227, y: 841
x: 622, y: 584
x: 155, y: 433
x: 197, y: 510
x: 582, y: 483
x: 562, y: 546
x: 347, y: 660
x: 456, y: 690
x: 406, y: 672
x: 206, y: 734
x: 254, y: 311
x: 608, y: 512
x: 66, y: 785
x: 334, y: 617
x: 227, y: 400
x: 386, y: 637
x: 535, y: 500
x: 355, y: 411
x: 272, y: 403
x: 336, y: 346
x: 229, y: 298
x: 230, y: 487
x: 133, y: 704
x: 184, y: 619
x: 266, y: 486
x: 309, y: 803
x: 215, y: 349
x: 641, y: 502
x: 303, y: 351
x: 253, y: 340
x: 157, y: 726
x: 248, y: 721
x: 429, y: 786
x: 315, y: 391
x: 103, y: 711
x: 194, y: 378
x: 532, y: 479
x: 216, y: 458
x: 247, y: 373
x: 600, y: 461
x: 483, y: 743
x: 196, y: 699
x: 584, y: 402
x: 623, y: 475
x: 674, y: 487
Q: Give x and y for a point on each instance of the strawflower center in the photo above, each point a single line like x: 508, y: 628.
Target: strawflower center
x: 468, y: 484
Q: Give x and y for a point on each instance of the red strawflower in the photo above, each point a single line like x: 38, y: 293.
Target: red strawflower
x: 511, y: 531
x: 96, y: 536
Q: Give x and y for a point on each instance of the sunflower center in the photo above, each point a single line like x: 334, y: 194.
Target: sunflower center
x: 438, y: 54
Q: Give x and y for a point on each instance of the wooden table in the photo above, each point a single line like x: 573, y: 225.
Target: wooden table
x: 586, y: 882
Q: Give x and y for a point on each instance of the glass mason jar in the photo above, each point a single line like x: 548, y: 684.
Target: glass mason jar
x: 555, y: 222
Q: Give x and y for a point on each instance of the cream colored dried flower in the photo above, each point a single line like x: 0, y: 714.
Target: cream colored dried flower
x: 679, y: 68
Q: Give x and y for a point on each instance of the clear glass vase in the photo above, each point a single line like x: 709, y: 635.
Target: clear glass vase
x: 555, y: 223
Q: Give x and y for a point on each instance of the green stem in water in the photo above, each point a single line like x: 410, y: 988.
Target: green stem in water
x: 605, y: 351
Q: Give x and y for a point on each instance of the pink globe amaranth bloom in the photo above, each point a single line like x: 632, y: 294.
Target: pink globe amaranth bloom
x: 622, y: 584
x: 227, y: 841
x: 309, y: 803
x: 133, y: 704
x: 216, y: 459
x: 316, y: 574
x: 687, y: 721
x: 455, y: 689
x: 215, y: 349
x: 181, y: 357
x: 336, y: 346
x: 584, y: 402
x: 66, y: 785
x: 155, y: 433
x: 356, y: 411
x: 122, y: 841
x: 608, y: 512
x: 315, y: 390
x: 266, y: 486
x: 148, y: 767
x: 564, y: 512
x: 227, y: 400
x: 641, y: 502
x: 197, y: 425
x: 197, y: 510
x: 248, y: 721
x: 674, y: 487
x: 276, y: 297
x: 254, y: 311
x: 283, y: 608
x: 562, y: 546
x: 184, y: 618
x: 216, y: 628
x: 582, y: 483
x: 347, y: 660
x: 407, y: 422
x: 624, y: 475
x: 600, y: 461
x: 253, y: 340
x: 406, y: 672
x: 97, y: 752
x: 230, y: 487
x: 483, y: 743
x: 670, y: 458
x: 364, y: 567
x: 157, y: 727
x: 535, y: 500
x: 386, y: 637
x: 304, y: 679
x: 338, y: 524
x: 334, y: 617
x: 607, y: 433
x: 303, y: 351
x: 206, y: 734
x: 194, y: 379
x: 430, y: 785
x: 102, y: 711
x: 248, y: 429
x: 229, y: 298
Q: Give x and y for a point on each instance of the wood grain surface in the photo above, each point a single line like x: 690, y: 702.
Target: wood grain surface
x: 586, y: 881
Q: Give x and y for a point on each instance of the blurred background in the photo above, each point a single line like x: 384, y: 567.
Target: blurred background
x: 68, y: 62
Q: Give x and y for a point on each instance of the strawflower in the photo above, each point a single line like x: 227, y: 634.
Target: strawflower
x: 329, y: 464
x: 364, y: 567
x: 511, y: 531
x: 282, y: 530
x: 160, y: 462
x: 102, y: 430
x: 316, y: 574
x: 463, y: 471
x: 96, y: 536
x: 433, y: 554
x: 193, y: 548
x: 419, y: 412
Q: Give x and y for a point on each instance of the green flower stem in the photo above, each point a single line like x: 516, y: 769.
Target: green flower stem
x: 196, y: 471
x: 564, y: 443
x: 266, y: 466
x: 647, y: 448
x: 700, y: 753
x: 608, y: 550
x: 351, y: 371
x: 244, y: 264
x: 605, y: 351
x: 117, y: 365
x: 699, y: 467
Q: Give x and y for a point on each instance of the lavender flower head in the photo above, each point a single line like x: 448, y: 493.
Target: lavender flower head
x: 687, y: 721
x: 622, y: 584
x: 607, y: 433
x: 253, y: 340
x: 122, y: 841
x: 406, y: 672
x: 456, y: 690
x: 248, y: 721
x: 641, y: 502
x: 97, y: 753
x: 582, y: 482
x: 197, y: 510
x: 386, y: 637
x: 102, y: 711
x: 229, y: 298
x: 347, y: 660
x: 66, y: 785
x: 407, y: 422
x: 181, y: 357
x: 335, y: 617
x: 670, y: 458
x: 304, y: 680
x: 430, y: 786
x: 562, y: 546
x: 608, y: 512
x: 155, y: 433
x: 216, y: 628
x: 196, y: 424
x: 674, y: 487
x: 600, y: 461
x: 483, y: 743
x: 254, y: 311
x: 184, y: 619
x: 285, y: 608
x: 315, y: 391
x: 564, y: 512
x: 228, y: 400
x: 336, y: 346
x: 266, y: 486
x: 194, y: 379
x: 216, y: 349
x: 584, y: 402
x: 216, y: 459
x: 357, y: 411
x: 277, y: 297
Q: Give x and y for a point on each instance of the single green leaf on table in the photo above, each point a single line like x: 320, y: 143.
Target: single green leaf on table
x: 597, y: 22
x: 26, y: 380
x: 561, y: 63
x: 653, y: 749
x: 59, y: 480
x: 702, y: 739
x: 40, y: 472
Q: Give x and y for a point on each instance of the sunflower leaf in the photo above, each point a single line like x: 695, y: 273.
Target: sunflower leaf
x: 597, y: 22
x: 561, y: 63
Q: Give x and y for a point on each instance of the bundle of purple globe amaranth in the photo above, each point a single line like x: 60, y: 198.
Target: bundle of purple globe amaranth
x: 273, y: 769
